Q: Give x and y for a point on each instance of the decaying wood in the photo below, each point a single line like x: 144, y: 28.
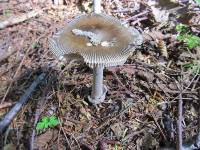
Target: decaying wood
x: 12, y: 113
x: 17, y: 19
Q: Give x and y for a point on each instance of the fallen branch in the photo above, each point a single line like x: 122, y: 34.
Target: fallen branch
x: 17, y: 19
x: 40, y: 108
x: 13, y: 112
x: 179, y: 122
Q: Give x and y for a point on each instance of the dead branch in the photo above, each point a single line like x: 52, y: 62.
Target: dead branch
x: 39, y: 110
x: 17, y: 19
x: 13, y: 112
x: 137, y: 15
x: 179, y: 123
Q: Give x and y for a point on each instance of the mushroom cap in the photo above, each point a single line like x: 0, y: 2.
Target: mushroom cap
x: 116, y: 41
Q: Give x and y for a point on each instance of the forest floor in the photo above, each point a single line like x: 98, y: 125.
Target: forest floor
x: 143, y: 105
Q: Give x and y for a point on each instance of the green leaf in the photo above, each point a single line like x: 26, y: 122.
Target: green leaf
x: 193, y: 66
x: 45, y: 120
x: 190, y: 65
x: 180, y: 37
x: 40, y: 126
x: 193, y: 41
x: 181, y: 28
x: 53, y: 121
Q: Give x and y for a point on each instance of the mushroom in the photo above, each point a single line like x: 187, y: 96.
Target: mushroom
x: 100, y: 41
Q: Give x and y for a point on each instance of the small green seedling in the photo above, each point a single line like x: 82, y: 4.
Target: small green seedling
x: 47, y: 122
x: 184, y: 35
x: 182, y: 29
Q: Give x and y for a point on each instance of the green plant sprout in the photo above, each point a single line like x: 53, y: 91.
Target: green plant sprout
x: 193, y: 66
x: 47, y: 122
x: 184, y: 35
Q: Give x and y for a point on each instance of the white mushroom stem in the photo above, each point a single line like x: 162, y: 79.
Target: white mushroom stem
x: 98, y: 89
x: 97, y: 6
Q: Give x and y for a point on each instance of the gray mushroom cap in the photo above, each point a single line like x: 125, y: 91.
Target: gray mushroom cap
x: 100, y: 39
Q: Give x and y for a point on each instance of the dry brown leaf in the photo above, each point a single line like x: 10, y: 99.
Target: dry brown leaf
x: 146, y: 76
x: 153, y: 35
x: 43, y: 139
x: 84, y: 113
x: 118, y: 129
x: 159, y: 14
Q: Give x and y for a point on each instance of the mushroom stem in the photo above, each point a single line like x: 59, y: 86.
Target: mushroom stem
x: 97, y: 6
x: 98, y: 89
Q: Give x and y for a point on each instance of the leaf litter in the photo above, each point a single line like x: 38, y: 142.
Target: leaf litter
x: 140, y: 111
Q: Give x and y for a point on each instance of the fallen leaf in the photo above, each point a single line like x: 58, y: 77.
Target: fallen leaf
x: 145, y: 76
x: 84, y: 113
x: 43, y: 139
x: 160, y: 15
x: 118, y: 129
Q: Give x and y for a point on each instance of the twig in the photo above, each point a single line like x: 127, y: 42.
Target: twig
x: 17, y: 19
x: 124, y: 10
x: 157, y: 124
x: 180, y: 118
x: 131, y: 135
x: 139, y: 20
x: 5, y: 105
x: 185, y: 89
x: 136, y: 16
x: 13, y: 112
x: 68, y: 144
x: 107, y: 121
x: 116, y: 77
x: 197, y: 141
